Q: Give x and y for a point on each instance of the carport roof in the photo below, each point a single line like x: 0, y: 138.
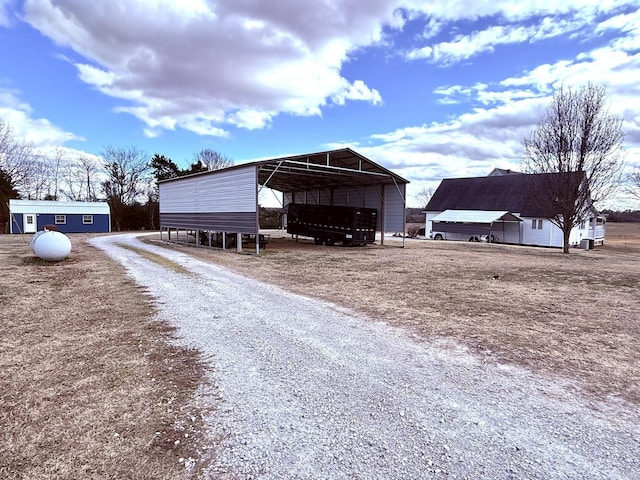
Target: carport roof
x: 321, y: 170
x: 329, y: 169
x: 475, y: 216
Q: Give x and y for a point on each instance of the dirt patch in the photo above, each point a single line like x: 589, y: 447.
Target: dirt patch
x: 576, y: 316
x: 90, y: 386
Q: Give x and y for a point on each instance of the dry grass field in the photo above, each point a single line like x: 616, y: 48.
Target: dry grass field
x: 91, y: 387
x: 573, y: 316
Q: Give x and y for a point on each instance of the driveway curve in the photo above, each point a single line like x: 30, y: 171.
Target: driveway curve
x: 313, y: 391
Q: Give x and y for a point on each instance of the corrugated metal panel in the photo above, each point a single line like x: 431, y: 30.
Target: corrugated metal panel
x: 372, y: 198
x: 325, y: 197
x: 227, y: 191
x: 394, y: 214
x: 60, y: 208
x: 341, y: 197
x: 287, y: 198
x: 236, y: 222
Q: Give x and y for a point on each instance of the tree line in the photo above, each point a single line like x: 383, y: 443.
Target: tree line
x: 124, y: 177
x: 576, y: 139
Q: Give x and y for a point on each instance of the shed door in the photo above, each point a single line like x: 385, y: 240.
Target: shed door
x: 29, y: 223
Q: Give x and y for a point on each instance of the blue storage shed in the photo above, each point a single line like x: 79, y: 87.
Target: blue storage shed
x: 30, y: 216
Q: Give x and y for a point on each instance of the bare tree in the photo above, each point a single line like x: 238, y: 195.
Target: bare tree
x: 577, y: 149
x: 39, y: 183
x: 7, y: 192
x: 424, y: 196
x: 208, y: 159
x: 89, y: 168
x: 54, y: 164
x: 80, y: 179
x: 128, y: 177
x: 634, y: 183
x: 17, y: 159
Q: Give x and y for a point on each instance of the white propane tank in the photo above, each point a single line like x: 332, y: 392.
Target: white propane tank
x: 51, y: 246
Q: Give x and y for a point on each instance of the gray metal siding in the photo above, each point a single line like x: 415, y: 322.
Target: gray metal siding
x: 236, y: 222
x: 394, y: 204
x: 232, y: 191
x: 325, y: 197
x: 341, y: 197
x: 221, y: 202
x: 372, y: 197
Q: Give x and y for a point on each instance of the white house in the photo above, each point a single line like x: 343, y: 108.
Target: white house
x: 498, y: 208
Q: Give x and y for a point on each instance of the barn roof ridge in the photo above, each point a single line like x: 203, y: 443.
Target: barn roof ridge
x: 495, y: 192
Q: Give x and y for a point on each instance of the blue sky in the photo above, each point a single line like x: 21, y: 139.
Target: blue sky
x: 429, y: 91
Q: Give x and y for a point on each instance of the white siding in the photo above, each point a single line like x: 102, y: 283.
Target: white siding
x: 226, y: 191
x: 548, y: 236
x: 428, y: 226
x: 511, y: 233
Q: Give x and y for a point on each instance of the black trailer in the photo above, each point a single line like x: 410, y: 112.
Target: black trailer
x: 330, y: 224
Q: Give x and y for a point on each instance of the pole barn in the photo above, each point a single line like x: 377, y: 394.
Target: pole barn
x: 221, y: 206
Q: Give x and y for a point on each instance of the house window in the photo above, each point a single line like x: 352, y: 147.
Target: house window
x: 61, y: 219
x: 87, y: 219
x: 582, y: 225
x: 536, y: 223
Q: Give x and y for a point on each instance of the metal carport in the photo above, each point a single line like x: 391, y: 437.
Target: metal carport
x: 226, y: 200
x: 474, y: 222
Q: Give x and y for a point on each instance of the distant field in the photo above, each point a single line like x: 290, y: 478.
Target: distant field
x: 574, y: 316
x: 623, y: 235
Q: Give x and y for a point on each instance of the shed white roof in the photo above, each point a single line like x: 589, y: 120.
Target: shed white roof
x: 475, y: 216
x: 59, y: 208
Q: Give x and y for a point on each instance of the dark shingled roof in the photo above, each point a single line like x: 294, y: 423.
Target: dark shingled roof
x: 506, y: 192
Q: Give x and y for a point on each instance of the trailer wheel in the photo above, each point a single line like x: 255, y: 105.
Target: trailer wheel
x: 329, y: 241
x: 437, y: 237
x: 318, y: 241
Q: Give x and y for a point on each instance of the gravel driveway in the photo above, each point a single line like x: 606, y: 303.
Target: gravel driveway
x: 313, y: 391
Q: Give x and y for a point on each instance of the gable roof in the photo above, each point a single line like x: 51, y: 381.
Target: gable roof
x: 510, y: 193
x: 321, y: 170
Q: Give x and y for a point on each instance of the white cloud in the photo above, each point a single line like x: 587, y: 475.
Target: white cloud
x: 465, y: 47
x: 7, y: 16
x: 510, y: 10
x: 473, y: 143
x: 204, y: 66
x: 38, y: 131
